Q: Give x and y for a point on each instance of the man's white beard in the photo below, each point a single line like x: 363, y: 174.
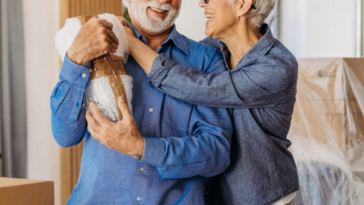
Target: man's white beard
x: 153, y: 24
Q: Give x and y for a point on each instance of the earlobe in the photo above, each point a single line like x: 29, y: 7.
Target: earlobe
x: 243, y: 6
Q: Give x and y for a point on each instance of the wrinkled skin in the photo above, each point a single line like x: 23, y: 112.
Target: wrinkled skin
x: 122, y: 136
x: 94, y: 40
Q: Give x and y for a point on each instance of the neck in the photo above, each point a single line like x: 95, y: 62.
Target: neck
x: 240, y: 39
x: 154, y: 40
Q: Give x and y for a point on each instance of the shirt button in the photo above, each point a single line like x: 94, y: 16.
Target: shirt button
x: 151, y: 110
x: 90, y: 70
x: 138, y: 198
x: 84, y: 75
x: 83, y: 105
x: 141, y: 169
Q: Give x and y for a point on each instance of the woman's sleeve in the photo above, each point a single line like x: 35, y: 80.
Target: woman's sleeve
x: 255, y: 85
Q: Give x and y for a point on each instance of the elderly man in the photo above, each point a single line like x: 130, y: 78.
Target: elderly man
x: 177, y: 145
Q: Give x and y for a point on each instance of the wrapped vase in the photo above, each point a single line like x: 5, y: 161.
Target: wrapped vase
x: 109, y: 80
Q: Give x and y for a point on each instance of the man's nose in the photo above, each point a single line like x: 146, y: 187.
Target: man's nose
x: 163, y: 1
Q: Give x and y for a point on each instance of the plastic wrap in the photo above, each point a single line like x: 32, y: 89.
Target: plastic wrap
x: 327, y: 131
x: 109, y: 80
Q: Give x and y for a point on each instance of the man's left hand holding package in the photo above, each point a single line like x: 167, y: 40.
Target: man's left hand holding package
x: 182, y: 144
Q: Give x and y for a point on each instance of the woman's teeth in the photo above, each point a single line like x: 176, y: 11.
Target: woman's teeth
x: 209, y: 17
x: 157, y: 10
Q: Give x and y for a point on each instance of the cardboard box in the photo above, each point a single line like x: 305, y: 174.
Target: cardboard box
x: 26, y: 192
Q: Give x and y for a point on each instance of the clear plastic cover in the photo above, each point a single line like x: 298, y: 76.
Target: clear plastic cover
x: 327, y: 131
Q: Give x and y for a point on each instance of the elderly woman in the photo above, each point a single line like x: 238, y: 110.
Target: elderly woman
x: 258, y: 86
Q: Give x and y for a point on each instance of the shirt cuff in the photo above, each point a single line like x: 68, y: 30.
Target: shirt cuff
x: 153, y: 151
x: 160, y: 68
x: 75, y: 73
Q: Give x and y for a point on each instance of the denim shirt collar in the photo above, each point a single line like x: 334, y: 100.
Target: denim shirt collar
x: 262, y: 47
x: 174, y: 36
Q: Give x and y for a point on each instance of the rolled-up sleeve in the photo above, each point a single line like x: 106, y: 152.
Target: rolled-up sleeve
x: 256, y: 84
x: 67, y: 103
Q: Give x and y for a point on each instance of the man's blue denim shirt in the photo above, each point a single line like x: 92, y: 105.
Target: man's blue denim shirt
x: 261, y: 92
x: 184, y: 143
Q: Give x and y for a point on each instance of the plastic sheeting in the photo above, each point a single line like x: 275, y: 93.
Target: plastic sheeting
x: 327, y: 131
x: 109, y: 80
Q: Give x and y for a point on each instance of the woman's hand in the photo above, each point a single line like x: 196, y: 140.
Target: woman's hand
x: 127, y: 27
x: 140, y: 52
x: 129, y: 32
x: 123, y: 21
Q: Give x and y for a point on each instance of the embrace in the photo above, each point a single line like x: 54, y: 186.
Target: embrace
x: 209, y: 119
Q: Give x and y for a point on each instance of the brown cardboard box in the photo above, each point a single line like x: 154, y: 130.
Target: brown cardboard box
x: 26, y: 192
x: 326, y: 101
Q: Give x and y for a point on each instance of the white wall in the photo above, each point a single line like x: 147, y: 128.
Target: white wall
x: 41, y: 73
x: 309, y: 28
x: 191, y: 21
x: 319, y: 28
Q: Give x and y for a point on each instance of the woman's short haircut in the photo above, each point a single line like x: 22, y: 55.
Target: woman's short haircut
x: 262, y: 11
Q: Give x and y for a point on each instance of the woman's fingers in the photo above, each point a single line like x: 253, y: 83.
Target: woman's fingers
x: 123, y: 21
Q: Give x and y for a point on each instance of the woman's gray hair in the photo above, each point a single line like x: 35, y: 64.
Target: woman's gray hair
x: 259, y: 15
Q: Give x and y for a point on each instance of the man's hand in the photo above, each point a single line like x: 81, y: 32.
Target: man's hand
x: 122, y: 136
x: 94, y: 39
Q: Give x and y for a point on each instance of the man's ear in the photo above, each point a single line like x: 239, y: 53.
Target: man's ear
x: 243, y: 6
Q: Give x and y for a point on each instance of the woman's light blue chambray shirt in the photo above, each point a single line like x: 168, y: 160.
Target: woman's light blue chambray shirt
x: 260, y: 91
x: 183, y: 143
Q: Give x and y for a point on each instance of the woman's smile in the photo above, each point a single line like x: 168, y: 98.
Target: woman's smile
x: 209, y: 17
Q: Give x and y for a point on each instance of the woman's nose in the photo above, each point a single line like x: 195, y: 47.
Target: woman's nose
x: 202, y: 3
x: 163, y: 1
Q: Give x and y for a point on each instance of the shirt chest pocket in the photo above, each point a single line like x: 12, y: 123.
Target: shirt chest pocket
x: 176, y: 118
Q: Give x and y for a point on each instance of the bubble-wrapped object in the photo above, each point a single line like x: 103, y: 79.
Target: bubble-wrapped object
x: 109, y: 80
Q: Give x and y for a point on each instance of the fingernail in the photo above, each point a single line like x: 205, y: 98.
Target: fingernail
x: 121, y: 99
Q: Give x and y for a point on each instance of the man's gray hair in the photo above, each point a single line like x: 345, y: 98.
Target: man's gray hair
x: 259, y: 15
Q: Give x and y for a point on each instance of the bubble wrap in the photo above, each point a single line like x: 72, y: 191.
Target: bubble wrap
x: 66, y: 35
x: 101, y: 94
x: 118, y: 29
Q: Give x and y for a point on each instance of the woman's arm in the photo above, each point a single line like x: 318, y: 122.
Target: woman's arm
x: 142, y: 54
x: 256, y: 84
